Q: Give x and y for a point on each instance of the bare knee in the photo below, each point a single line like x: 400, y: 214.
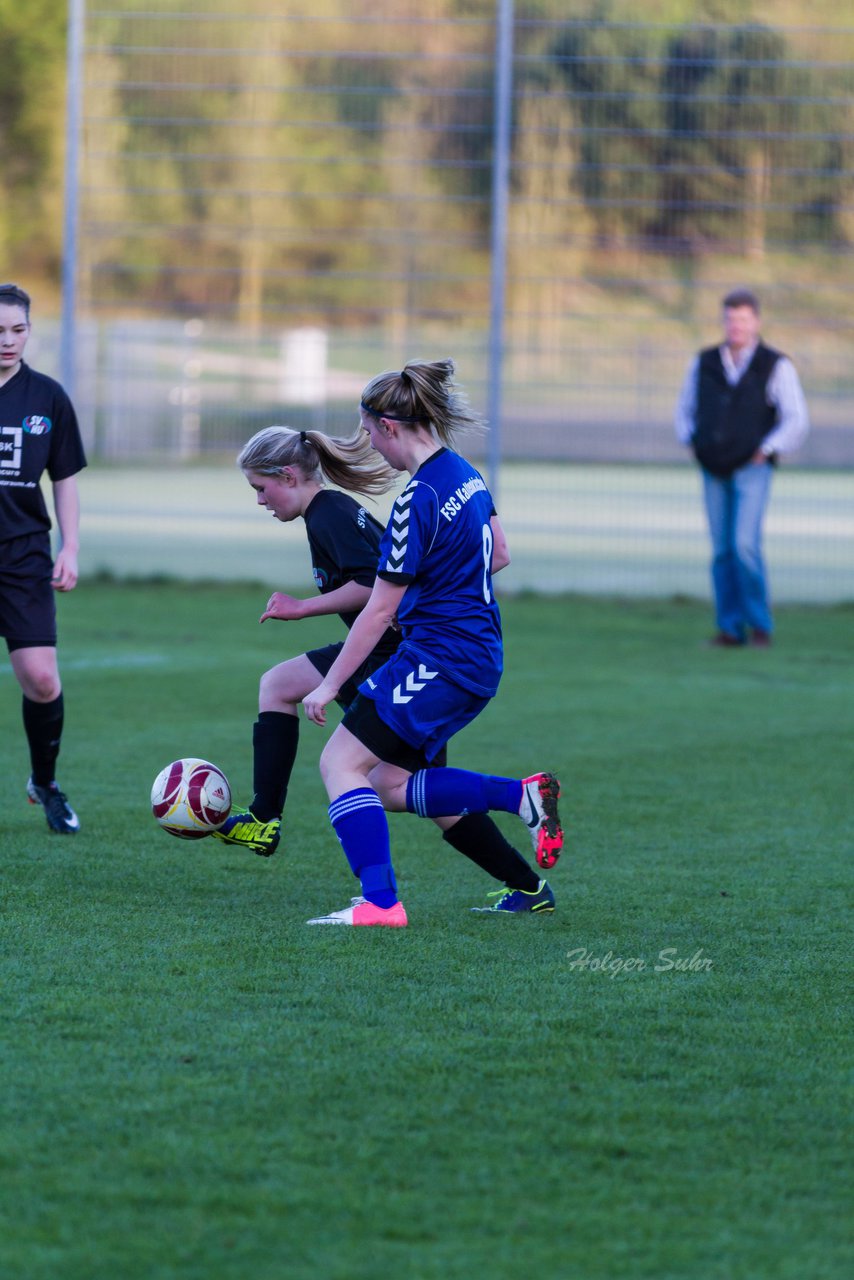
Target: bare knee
x: 345, y: 764
x: 330, y: 762
x: 37, y: 674
x: 284, y: 686
x: 275, y: 692
x: 390, y: 782
x: 267, y: 691
x: 44, y: 686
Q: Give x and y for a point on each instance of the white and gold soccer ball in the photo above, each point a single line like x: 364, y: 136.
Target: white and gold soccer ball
x: 190, y: 798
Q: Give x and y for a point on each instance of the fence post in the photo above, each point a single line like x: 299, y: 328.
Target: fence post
x: 73, y: 94
x: 503, y: 103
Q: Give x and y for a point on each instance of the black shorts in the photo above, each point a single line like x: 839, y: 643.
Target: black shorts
x: 324, y: 658
x: 27, y: 602
x: 363, y: 721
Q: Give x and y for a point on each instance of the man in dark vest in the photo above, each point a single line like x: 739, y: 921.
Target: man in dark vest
x: 740, y: 406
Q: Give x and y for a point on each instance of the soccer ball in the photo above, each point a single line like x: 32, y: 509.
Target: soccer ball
x: 190, y: 798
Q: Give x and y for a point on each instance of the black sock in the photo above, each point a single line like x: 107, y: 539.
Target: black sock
x: 477, y: 836
x: 275, y: 736
x: 43, y: 727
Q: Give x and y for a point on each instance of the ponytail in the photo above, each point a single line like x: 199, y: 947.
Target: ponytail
x: 349, y: 464
x: 423, y: 394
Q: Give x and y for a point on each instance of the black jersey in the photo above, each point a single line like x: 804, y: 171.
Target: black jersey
x: 344, y: 540
x: 38, y: 434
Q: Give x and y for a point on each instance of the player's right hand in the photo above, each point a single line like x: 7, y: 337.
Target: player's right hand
x: 286, y: 608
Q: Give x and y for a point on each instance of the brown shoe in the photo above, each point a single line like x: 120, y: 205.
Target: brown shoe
x: 760, y: 639
x: 723, y: 640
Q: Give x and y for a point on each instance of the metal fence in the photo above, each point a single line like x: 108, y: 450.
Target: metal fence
x: 275, y: 206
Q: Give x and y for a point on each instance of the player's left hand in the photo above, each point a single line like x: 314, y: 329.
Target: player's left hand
x: 315, y: 703
x: 64, y: 577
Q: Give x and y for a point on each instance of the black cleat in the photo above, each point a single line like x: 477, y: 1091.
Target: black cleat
x: 59, y: 813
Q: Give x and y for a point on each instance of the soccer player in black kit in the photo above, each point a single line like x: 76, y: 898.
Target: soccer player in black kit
x: 288, y: 470
x: 38, y: 434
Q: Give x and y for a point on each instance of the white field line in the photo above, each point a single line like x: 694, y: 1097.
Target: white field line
x: 123, y: 662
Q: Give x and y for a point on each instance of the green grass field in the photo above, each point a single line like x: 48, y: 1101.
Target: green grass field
x: 197, y: 1086
x: 601, y: 530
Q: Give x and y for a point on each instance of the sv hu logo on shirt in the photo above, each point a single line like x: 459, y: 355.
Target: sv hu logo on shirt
x: 37, y: 425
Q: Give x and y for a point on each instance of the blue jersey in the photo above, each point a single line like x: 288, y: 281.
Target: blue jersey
x: 439, y: 543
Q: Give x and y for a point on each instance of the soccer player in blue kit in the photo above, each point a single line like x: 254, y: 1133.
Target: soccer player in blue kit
x: 435, y: 583
x: 289, y: 471
x: 38, y: 433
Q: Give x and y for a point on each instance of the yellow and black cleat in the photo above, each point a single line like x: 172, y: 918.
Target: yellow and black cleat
x: 245, y: 830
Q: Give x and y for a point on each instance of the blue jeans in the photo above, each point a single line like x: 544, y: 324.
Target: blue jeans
x: 735, y: 509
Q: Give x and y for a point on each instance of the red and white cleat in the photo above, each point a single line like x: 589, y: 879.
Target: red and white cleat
x: 538, y: 811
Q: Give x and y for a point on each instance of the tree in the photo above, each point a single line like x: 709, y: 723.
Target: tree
x: 32, y: 90
x: 750, y: 143
x: 611, y: 80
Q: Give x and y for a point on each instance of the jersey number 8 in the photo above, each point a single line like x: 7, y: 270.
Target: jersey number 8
x: 488, y: 542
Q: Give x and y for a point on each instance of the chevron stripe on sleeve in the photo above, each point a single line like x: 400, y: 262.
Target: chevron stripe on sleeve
x: 399, y: 525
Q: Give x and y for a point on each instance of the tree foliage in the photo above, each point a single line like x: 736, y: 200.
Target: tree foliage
x: 260, y: 159
x: 703, y: 136
x: 31, y: 111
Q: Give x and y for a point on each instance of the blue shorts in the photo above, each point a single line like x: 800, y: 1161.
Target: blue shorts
x: 420, y: 705
x: 27, y: 601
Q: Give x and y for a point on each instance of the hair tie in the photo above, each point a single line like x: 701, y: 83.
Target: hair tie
x: 303, y: 438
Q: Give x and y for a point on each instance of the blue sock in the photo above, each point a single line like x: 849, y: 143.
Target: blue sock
x: 360, y: 824
x: 441, y: 793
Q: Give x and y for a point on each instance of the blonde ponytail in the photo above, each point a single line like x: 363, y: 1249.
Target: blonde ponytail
x: 349, y: 464
x: 422, y: 393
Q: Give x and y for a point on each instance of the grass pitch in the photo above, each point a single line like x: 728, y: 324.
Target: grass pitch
x: 647, y: 1084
